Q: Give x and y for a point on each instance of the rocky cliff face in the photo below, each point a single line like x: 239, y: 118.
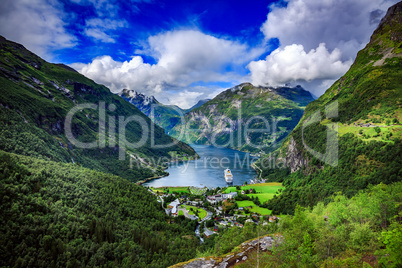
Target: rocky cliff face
x: 294, y: 158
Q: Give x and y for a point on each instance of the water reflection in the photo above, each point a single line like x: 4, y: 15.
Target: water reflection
x: 209, y: 169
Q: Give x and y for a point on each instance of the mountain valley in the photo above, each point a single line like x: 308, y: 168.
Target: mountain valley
x: 316, y: 181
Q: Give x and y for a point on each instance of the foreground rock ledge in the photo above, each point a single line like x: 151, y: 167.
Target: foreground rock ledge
x: 265, y: 243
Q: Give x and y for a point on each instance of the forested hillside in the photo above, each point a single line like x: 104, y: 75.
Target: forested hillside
x: 363, y: 231
x: 362, y: 109
x: 61, y: 215
x: 35, y: 99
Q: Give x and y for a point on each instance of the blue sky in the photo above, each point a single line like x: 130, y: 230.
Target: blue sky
x: 184, y: 51
x: 237, y: 20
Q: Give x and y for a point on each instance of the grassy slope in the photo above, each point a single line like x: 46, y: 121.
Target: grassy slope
x: 33, y: 112
x: 253, y: 207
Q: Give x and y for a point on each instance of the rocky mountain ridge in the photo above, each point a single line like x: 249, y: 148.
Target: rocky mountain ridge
x: 268, y: 113
x: 165, y: 116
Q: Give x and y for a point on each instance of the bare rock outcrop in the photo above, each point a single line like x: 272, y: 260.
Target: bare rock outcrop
x: 294, y: 158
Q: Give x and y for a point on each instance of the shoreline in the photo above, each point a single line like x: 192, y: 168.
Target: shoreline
x: 150, y: 179
x: 162, y: 176
x: 259, y: 171
x: 179, y: 161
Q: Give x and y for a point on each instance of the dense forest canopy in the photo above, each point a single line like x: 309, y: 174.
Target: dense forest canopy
x: 61, y: 215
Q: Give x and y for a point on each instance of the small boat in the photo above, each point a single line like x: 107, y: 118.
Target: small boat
x: 228, y: 176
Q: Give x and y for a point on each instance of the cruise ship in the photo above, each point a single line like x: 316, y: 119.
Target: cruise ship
x: 228, y: 176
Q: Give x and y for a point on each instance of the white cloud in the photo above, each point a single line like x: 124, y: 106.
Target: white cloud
x: 197, y: 50
x: 183, y: 57
x: 109, y: 24
x: 37, y: 24
x: 98, y: 29
x: 186, y: 98
x: 103, y: 8
x: 302, y: 26
x: 292, y: 63
x: 99, y: 35
x: 345, y: 24
x: 110, y: 8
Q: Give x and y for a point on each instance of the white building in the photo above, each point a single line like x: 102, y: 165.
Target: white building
x: 173, y: 206
x: 231, y: 195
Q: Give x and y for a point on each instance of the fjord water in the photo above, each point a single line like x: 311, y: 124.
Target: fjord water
x: 209, y: 169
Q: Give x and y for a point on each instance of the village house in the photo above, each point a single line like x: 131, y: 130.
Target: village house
x: 208, y: 233
x: 174, y: 207
x: 224, y: 223
x: 193, y: 203
x: 213, y: 199
x: 272, y: 218
x: 231, y: 195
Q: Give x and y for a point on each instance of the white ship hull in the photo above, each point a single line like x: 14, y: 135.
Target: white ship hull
x: 228, y: 176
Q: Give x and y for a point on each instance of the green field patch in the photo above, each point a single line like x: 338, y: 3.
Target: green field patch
x: 181, y: 190
x: 263, y: 197
x: 253, y: 208
x: 201, y: 212
x: 198, y: 191
x: 265, y: 191
x: 260, y: 210
x: 369, y: 133
x: 246, y: 203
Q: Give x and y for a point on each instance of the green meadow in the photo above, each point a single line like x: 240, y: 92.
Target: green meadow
x: 386, y: 134
x: 201, y: 212
x: 265, y: 191
x: 253, y: 207
x: 181, y: 190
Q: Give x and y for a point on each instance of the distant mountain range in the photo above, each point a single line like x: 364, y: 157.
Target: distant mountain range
x: 165, y: 116
x: 197, y: 105
x: 271, y: 113
x: 234, y: 107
